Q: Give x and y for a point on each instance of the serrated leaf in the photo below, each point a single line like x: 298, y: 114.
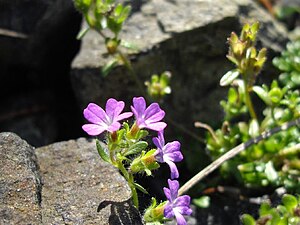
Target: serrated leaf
x: 137, y: 148
x: 102, y: 152
x: 140, y: 188
x: 229, y: 77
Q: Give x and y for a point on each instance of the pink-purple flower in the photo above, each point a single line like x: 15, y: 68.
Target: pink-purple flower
x: 107, y: 120
x: 168, y: 153
x: 176, y: 205
x: 148, y: 117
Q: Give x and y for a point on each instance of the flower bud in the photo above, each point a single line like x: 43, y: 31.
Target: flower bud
x: 112, y: 45
x: 154, y: 212
x: 145, y: 162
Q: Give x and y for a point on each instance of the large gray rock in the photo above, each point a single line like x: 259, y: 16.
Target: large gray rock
x: 20, y: 187
x: 63, y: 183
x: 77, y: 183
x: 187, y: 38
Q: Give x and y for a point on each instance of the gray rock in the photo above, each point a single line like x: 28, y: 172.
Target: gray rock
x: 20, y: 187
x: 187, y: 38
x: 77, y: 183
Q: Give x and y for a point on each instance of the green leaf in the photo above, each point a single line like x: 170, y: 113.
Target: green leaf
x: 102, y: 152
x: 254, y: 128
x: 140, y: 188
x: 82, y: 33
x: 137, y: 148
x: 263, y: 94
x: 124, y: 14
x: 202, y: 202
x: 106, y: 69
x: 129, y: 45
x: 264, y: 209
x: 229, y: 77
x: 271, y: 172
x: 248, y: 220
x: 290, y: 202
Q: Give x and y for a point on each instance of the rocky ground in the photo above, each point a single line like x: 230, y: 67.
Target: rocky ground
x: 47, y: 77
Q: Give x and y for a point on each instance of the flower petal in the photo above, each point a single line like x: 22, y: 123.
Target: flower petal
x: 174, y: 186
x: 159, y: 126
x: 159, y: 141
x: 167, y: 193
x: 124, y: 116
x: 93, y: 129
x: 114, y: 108
x: 154, y: 113
x: 168, y: 211
x: 139, y: 105
x: 174, y: 156
x: 182, y: 201
x: 95, y: 114
x: 179, y: 218
x: 173, y: 146
x: 174, y: 171
x: 114, y: 127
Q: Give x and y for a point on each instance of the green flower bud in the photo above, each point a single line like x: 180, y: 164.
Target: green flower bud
x: 154, y: 213
x: 145, y: 162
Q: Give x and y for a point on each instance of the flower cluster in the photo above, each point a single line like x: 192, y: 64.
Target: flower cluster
x: 125, y: 144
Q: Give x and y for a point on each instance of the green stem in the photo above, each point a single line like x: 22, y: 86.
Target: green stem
x: 129, y: 178
x: 273, y: 115
x: 248, y: 99
x: 135, y: 198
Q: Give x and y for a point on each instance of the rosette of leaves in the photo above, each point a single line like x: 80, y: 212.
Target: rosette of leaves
x: 289, y: 64
x: 288, y: 213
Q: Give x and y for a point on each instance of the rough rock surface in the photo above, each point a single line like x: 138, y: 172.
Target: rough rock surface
x: 187, y: 38
x: 77, y: 183
x: 63, y: 183
x: 20, y: 187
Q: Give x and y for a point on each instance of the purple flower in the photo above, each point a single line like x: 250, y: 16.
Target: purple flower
x: 176, y: 206
x: 168, y: 153
x: 104, y: 120
x: 148, y: 117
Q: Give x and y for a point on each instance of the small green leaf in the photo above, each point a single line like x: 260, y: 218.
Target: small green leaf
x: 290, y: 202
x: 106, y: 69
x: 202, y: 202
x: 229, y: 77
x: 248, y: 220
x: 254, y: 128
x: 129, y: 45
x: 140, y: 188
x: 82, y: 33
x: 263, y: 94
x: 102, y: 152
x: 137, y: 148
x: 271, y: 172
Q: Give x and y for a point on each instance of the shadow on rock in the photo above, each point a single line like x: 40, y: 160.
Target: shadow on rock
x: 122, y: 213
